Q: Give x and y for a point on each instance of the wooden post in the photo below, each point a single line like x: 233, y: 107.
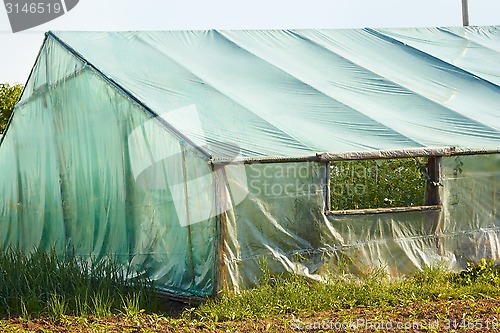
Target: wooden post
x: 433, y: 192
x: 433, y: 197
x: 328, y: 206
x: 221, y: 185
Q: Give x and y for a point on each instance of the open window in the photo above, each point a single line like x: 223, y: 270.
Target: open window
x: 384, y: 185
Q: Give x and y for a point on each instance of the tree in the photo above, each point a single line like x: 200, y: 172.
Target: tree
x: 8, y: 98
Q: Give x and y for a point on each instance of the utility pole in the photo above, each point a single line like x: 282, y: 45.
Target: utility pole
x: 465, y: 13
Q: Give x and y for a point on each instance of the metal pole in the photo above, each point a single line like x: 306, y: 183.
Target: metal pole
x: 465, y: 13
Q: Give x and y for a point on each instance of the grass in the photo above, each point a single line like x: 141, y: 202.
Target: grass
x: 296, y: 294
x: 46, y: 283
x: 73, y: 292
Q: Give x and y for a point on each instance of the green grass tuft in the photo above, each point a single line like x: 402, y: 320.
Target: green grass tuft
x: 48, y: 283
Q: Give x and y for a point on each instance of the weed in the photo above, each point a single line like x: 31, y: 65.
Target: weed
x: 484, y: 272
x: 292, y: 293
x: 132, y: 308
x: 101, y: 304
x: 54, y: 283
x: 60, y: 286
x: 56, y: 308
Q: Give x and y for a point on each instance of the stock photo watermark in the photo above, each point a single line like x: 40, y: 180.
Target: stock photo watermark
x: 362, y: 174
x: 378, y: 325
x: 284, y: 180
x: 159, y: 161
x: 26, y: 14
x: 163, y: 161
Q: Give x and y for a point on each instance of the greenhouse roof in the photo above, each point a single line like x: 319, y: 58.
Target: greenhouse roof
x: 298, y: 93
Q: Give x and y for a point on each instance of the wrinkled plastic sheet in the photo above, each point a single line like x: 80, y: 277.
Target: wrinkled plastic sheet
x: 291, y: 234
x: 72, y: 181
x: 359, y: 90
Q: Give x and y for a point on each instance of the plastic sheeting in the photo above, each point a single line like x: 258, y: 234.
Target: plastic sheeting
x: 465, y: 229
x: 471, y: 208
x: 281, y: 219
x: 291, y: 232
x: 294, y: 93
x: 67, y: 182
x: 113, y: 150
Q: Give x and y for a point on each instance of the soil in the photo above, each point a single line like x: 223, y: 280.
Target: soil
x: 441, y: 316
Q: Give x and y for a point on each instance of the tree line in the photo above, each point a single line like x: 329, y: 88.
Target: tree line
x: 9, y: 94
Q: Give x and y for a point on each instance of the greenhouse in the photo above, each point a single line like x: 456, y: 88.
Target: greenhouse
x: 196, y: 156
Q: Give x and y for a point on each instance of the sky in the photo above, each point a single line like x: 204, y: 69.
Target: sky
x: 18, y: 51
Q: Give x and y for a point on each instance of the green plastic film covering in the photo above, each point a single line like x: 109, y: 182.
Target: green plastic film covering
x: 73, y: 181
x: 53, y: 66
x: 359, y: 90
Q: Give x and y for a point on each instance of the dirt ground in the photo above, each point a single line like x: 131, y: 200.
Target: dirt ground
x: 443, y: 316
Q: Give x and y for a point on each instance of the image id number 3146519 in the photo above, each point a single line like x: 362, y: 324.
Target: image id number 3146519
x: 33, y: 8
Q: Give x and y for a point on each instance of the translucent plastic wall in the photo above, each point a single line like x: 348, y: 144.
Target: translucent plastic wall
x: 465, y: 229
x: 471, y: 226
x: 281, y: 222
x: 78, y: 161
x: 400, y: 242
